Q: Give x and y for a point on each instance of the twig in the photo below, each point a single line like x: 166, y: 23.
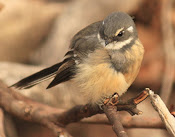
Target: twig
x: 164, y: 113
x: 77, y: 113
x: 111, y: 111
x: 130, y: 105
x: 169, y: 49
x: 114, y: 119
x: 2, y: 131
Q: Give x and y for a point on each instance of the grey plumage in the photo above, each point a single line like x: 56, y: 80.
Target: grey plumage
x: 115, y: 34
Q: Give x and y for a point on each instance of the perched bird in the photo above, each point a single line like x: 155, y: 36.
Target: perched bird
x: 104, y: 58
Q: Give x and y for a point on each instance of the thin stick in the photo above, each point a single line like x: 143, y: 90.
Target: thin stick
x: 114, y: 119
x: 167, y: 118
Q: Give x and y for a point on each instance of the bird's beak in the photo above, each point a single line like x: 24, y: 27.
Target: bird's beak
x: 108, y: 41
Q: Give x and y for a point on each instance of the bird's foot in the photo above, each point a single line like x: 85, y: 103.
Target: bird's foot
x: 111, y: 100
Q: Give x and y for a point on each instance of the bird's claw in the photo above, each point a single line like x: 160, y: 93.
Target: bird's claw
x: 112, y: 100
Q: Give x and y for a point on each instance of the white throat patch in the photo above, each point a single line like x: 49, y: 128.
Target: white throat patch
x: 114, y: 44
x: 118, y: 45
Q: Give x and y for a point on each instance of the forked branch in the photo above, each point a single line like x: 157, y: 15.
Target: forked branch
x: 54, y: 118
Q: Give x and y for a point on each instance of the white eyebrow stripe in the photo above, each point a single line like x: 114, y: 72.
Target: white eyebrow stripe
x: 118, y: 45
x: 130, y: 29
x: 118, y: 31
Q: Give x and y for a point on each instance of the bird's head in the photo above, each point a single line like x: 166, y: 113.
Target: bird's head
x: 117, y: 31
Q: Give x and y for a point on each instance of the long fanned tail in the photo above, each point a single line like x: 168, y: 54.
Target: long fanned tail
x: 38, y: 77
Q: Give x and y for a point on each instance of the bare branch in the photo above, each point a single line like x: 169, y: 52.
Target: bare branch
x: 54, y: 118
x: 29, y: 110
x: 110, y: 110
x: 128, y: 121
x: 83, y: 111
x: 114, y: 119
x: 164, y: 113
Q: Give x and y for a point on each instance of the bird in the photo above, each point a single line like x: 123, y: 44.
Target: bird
x: 104, y: 58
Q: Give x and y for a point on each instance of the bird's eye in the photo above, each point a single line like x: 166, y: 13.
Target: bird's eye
x: 120, y: 33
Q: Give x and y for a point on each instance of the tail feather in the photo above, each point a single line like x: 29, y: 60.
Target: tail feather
x: 65, y: 75
x: 38, y: 77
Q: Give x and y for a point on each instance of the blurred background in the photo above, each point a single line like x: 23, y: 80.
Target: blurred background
x: 35, y: 34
